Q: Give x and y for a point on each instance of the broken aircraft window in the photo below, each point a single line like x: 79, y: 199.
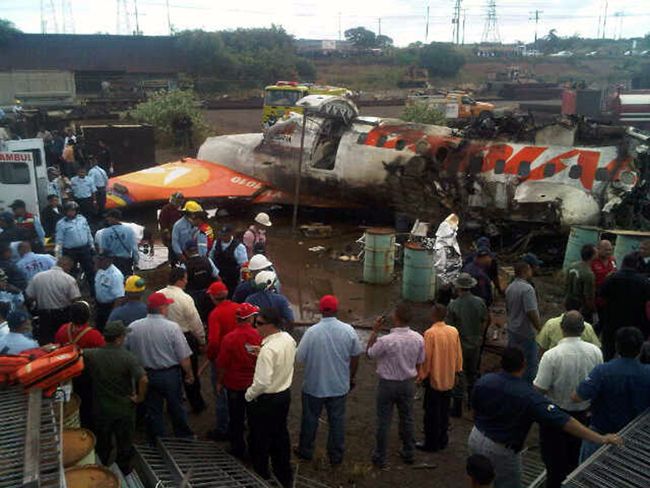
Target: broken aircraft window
x: 362, y: 138
x: 549, y: 170
x: 575, y: 172
x: 524, y: 168
x: 401, y: 144
x: 602, y: 174
x: 381, y: 141
x: 499, y: 167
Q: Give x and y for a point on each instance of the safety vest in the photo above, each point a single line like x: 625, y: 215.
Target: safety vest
x: 209, y: 233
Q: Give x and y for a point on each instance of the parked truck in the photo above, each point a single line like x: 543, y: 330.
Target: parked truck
x: 455, y: 105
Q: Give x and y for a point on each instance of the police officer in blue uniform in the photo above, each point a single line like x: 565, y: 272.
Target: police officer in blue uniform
x: 73, y: 238
x: 119, y: 241
x: 109, y: 289
x: 84, y: 191
x: 100, y: 179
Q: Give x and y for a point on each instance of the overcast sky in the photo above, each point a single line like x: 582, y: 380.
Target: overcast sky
x: 403, y: 20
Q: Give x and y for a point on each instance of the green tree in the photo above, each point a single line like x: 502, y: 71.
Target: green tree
x: 383, y: 42
x: 441, y: 59
x: 8, y: 30
x: 205, y: 52
x: 163, y: 107
x: 361, y: 37
x: 423, y: 114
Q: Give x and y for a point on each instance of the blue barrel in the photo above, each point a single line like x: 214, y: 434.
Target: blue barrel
x: 379, y: 260
x: 625, y: 244
x: 578, y: 237
x: 419, y: 278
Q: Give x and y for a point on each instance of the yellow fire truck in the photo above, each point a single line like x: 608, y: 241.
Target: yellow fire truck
x: 281, y: 98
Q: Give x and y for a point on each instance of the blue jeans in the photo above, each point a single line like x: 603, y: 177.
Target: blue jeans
x: 311, y: 409
x: 531, y: 353
x: 588, y: 448
x: 220, y: 404
x: 401, y: 394
x: 166, y: 384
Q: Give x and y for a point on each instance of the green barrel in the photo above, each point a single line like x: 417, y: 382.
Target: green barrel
x: 625, y: 244
x: 379, y: 261
x: 578, y: 237
x: 419, y: 278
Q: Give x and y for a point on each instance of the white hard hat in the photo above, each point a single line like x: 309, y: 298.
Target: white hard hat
x: 265, y: 280
x: 263, y: 219
x: 258, y: 262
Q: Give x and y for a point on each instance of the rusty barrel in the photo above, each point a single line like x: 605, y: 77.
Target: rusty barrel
x: 91, y: 476
x: 379, y: 260
x: 578, y: 237
x: 626, y: 244
x: 419, y: 276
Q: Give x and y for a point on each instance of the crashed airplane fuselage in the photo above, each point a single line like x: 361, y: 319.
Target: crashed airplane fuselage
x: 422, y: 169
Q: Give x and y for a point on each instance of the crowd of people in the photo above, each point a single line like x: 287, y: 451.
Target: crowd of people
x: 223, y: 299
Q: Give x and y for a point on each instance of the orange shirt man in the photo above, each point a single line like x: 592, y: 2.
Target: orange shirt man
x: 443, y: 359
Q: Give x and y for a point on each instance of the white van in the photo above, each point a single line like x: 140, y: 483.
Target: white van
x: 23, y: 174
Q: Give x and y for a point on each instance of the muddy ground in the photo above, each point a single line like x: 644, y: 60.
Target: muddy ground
x: 305, y: 277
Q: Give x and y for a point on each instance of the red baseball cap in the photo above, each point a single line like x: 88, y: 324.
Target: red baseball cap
x: 329, y: 303
x: 246, y: 310
x: 158, y: 300
x: 218, y: 289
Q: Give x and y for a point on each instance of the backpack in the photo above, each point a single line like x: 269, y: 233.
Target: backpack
x: 10, y: 363
x: 52, y: 369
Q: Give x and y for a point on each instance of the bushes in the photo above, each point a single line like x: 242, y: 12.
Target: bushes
x: 163, y: 107
x: 423, y: 114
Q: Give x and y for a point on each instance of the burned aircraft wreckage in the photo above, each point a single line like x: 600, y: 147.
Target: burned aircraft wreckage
x: 498, y: 171
x: 502, y: 169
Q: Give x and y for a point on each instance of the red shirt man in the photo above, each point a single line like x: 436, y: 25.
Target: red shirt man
x: 235, y: 371
x: 234, y: 355
x: 222, y: 320
x: 602, y: 267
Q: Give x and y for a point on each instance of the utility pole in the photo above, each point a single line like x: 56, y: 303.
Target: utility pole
x: 379, y: 21
x: 426, y: 30
x: 605, y: 20
x: 464, y: 19
x: 137, y: 20
x: 340, y: 38
x: 455, y: 36
x: 169, y: 18
x: 536, y: 19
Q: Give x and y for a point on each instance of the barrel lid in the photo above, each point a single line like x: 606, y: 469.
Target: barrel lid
x: 91, y: 476
x: 380, y: 230
x: 77, y: 444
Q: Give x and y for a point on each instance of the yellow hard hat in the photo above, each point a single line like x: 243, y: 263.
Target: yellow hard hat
x: 134, y: 284
x: 192, y: 206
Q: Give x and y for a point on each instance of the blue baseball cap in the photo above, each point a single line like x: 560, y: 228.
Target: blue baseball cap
x: 16, y: 318
x: 482, y: 251
x: 483, y: 242
x: 531, y: 259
